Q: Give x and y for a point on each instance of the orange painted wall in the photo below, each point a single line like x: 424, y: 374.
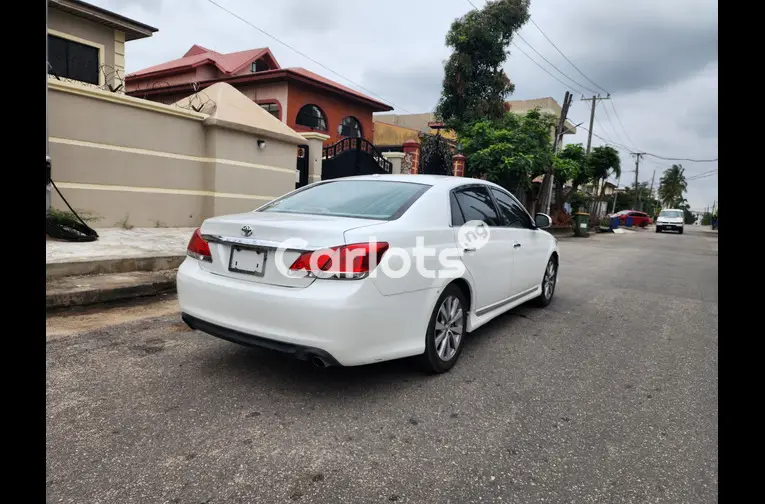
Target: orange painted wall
x: 334, y: 106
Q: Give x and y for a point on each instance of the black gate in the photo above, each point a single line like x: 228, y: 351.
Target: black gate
x: 301, y: 170
x: 352, y: 156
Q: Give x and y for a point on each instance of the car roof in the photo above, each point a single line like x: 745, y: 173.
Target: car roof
x: 672, y: 210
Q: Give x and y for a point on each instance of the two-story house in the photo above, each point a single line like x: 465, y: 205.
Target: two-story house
x: 87, y: 43
x: 303, y: 100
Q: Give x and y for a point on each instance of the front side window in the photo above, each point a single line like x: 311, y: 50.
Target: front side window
x: 476, y: 204
x: 512, y: 213
x: 72, y: 60
x: 364, y: 199
x: 312, y: 117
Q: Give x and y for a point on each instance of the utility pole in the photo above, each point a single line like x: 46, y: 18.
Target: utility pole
x: 616, y: 193
x: 594, y: 100
x: 637, y: 155
x: 650, y: 192
x: 547, y: 182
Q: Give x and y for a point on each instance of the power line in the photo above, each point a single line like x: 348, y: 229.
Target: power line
x: 240, y: 18
x: 471, y: 3
x: 620, y: 122
x: 565, y: 57
x: 650, y: 154
x: 556, y: 68
x: 608, y: 116
x: 543, y: 68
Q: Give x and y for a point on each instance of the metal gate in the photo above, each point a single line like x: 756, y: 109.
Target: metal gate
x: 352, y: 156
x: 301, y: 170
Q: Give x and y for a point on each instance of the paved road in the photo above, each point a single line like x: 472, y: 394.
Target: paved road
x: 609, y: 395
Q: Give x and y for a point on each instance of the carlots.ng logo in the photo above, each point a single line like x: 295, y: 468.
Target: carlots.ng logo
x: 471, y: 236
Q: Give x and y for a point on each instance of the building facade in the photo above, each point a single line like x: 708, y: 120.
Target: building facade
x: 86, y: 43
x: 303, y: 100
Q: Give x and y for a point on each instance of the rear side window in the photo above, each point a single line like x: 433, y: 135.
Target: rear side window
x: 457, y: 218
x: 476, y: 204
x: 364, y: 199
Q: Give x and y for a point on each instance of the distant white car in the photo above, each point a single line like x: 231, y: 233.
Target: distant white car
x: 670, y: 219
x: 321, y: 272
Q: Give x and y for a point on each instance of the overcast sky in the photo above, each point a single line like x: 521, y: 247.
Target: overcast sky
x: 657, y: 58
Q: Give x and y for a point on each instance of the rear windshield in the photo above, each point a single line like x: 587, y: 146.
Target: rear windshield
x: 671, y: 213
x: 365, y: 199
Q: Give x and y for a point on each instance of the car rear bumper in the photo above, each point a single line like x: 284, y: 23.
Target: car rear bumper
x: 348, y: 322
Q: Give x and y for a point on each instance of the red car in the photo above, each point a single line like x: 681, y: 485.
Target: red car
x: 639, y: 219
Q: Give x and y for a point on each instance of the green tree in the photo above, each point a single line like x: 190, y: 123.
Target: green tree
x: 603, y: 162
x: 510, y: 151
x: 569, y: 166
x: 672, y: 187
x: 435, y: 155
x: 475, y: 86
x: 625, y: 199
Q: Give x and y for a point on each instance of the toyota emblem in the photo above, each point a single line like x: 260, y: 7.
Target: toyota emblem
x: 246, y: 230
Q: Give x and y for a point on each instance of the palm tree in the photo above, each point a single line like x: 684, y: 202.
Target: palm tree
x: 672, y: 187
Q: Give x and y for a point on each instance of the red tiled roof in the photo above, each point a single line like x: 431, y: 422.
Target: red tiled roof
x: 324, y: 80
x: 230, y: 63
x: 198, y: 55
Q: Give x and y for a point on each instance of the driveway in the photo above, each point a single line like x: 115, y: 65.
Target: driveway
x: 608, y: 395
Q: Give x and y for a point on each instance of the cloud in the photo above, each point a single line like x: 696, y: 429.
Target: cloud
x: 657, y: 58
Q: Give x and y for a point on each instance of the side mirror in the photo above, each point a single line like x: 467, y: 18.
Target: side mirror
x: 542, y: 221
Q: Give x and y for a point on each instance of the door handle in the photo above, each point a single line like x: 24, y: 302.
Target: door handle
x: 470, y: 249
x: 516, y: 245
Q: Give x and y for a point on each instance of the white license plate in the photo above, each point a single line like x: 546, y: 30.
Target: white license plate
x: 247, y: 261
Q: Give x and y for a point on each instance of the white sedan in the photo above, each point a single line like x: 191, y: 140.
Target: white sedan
x: 365, y: 269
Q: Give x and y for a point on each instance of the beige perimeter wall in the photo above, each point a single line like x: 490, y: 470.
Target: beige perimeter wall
x: 138, y: 163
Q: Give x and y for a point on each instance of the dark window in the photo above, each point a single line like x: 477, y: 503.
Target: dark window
x: 72, y: 60
x: 271, y: 108
x: 457, y: 218
x: 349, y: 127
x: 312, y: 117
x: 476, y: 204
x: 366, y: 199
x: 512, y: 213
x: 258, y: 66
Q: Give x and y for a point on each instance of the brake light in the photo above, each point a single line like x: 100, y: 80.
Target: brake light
x: 345, y: 262
x: 199, y: 248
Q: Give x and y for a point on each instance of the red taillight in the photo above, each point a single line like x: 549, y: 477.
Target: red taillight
x: 198, y: 248
x: 348, y: 261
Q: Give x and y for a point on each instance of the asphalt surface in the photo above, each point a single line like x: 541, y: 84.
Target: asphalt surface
x: 608, y: 395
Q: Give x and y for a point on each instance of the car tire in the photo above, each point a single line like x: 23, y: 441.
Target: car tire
x: 658, y: 229
x: 680, y: 231
x: 438, y: 358
x: 546, y: 297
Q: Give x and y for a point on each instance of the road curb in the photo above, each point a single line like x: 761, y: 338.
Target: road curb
x: 89, y: 290
x: 112, y: 266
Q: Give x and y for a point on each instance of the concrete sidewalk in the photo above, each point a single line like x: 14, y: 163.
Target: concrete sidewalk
x: 121, y: 264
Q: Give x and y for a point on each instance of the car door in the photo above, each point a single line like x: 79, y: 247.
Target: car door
x: 490, y: 264
x: 530, y: 244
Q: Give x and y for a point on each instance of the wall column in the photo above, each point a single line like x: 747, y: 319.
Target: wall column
x: 315, y: 141
x: 396, y: 159
x: 458, y: 165
x: 412, y: 147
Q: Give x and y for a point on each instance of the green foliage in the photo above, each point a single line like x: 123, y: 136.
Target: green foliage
x: 475, y: 86
x: 625, y: 200
x: 603, y: 162
x: 435, y: 155
x: 569, y: 164
x: 672, y: 187
x: 578, y: 200
x: 706, y: 219
x: 510, y: 151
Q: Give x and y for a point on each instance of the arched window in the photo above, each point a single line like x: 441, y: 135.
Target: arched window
x: 349, y: 127
x: 312, y: 117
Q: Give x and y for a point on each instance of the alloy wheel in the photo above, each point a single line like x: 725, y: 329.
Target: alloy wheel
x: 449, y: 328
x: 548, y: 284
